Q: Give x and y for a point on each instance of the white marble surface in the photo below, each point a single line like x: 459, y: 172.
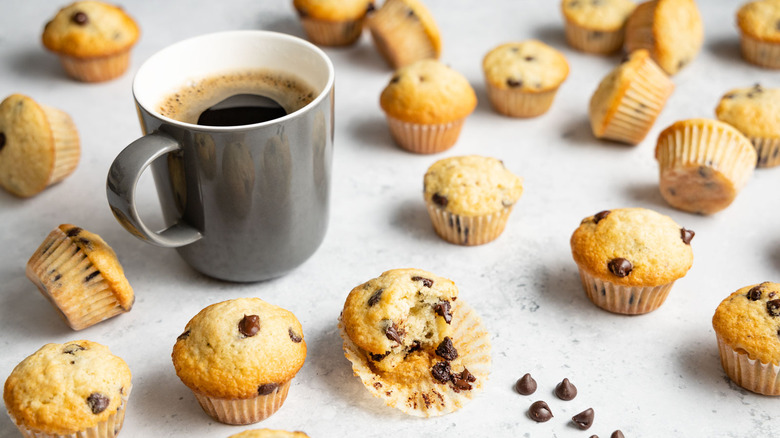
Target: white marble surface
x: 653, y: 375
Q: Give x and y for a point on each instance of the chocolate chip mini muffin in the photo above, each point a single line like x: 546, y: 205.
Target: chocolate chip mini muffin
x: 39, y: 145
x: 469, y: 198
x: 76, y: 389
x: 426, y: 104
x: 596, y: 26
x: 333, y: 22
x: 759, y: 27
x: 81, y: 276
x: 629, y: 258
x: 239, y: 357
x: 268, y: 433
x: 523, y: 77
x: 746, y: 325
x: 93, y: 40
x: 703, y: 164
x: 412, y: 344
x: 671, y: 30
x: 755, y: 112
x: 629, y: 99
x: 404, y: 31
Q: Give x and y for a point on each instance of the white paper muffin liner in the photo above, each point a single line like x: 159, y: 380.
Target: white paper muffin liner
x: 425, y: 138
x: 429, y: 398
x: 627, y: 300
x: 594, y: 41
x: 332, y: 33
x: 768, y: 150
x: 67, y: 150
x: 518, y: 103
x: 761, y: 53
x: 467, y: 230
x: 751, y: 374
x: 244, y: 411
x: 98, y: 69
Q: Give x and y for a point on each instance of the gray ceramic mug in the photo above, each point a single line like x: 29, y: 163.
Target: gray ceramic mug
x: 241, y: 203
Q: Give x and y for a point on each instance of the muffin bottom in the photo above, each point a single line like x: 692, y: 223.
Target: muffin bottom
x: 244, y: 411
x: 425, y: 138
x: 626, y: 300
x: 594, y: 41
x: 96, y: 69
x: 332, y: 33
x: 763, y: 54
x: 516, y: 103
x: 751, y: 374
x: 468, y: 230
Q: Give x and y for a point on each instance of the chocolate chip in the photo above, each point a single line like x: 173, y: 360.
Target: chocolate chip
x: 442, y: 372
x: 183, y: 336
x: 73, y: 232
x: 773, y: 307
x: 57, y: 277
x: 617, y: 434
x: 584, y: 419
x: 687, y: 235
x: 72, y: 349
x: 98, y: 402
x: 443, y: 309
x: 594, y: 436
x: 729, y: 96
x: 410, y: 13
x: 267, y: 388
x: 393, y: 334
x: 91, y: 276
x: 439, y: 200
x: 416, y: 346
x: 467, y: 376
x: 395, y: 79
x: 295, y: 337
x: 705, y: 172
x: 375, y: 297
x: 620, y: 267
x: 446, y: 350
x: 249, y: 325
x: 574, y: 4
x: 2, y: 140
x: 565, y: 390
x: 754, y: 294
x: 461, y: 381
x: 600, y: 215
x: 378, y: 357
x: 370, y: 8
x: 757, y: 88
x: 80, y: 18
x: 427, y: 282
x: 525, y: 385
x: 514, y: 83
x: 771, y: 294
x: 529, y: 58
x: 540, y: 412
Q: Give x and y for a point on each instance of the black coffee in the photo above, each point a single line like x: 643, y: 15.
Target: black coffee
x: 240, y: 115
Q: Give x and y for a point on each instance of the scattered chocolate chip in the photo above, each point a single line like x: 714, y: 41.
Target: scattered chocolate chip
x: 565, y: 390
x: 427, y: 282
x: 72, y: 349
x: 620, y: 267
x: 267, y: 388
x: 378, y: 357
x: 754, y: 294
x: 446, y: 350
x: 525, y: 385
x: 442, y: 372
x: 540, y: 412
x: 617, y: 434
x: 375, y: 297
x: 773, y: 307
x: 686, y: 235
x: 73, y: 232
x: 98, y: 402
x: 439, y: 200
x: 183, y: 336
x: 529, y: 58
x: 91, y: 276
x: 600, y: 215
x: 443, y: 309
x: 80, y: 18
x: 2, y: 140
x: 514, y: 83
x: 584, y: 419
x: 249, y: 325
x: 295, y: 337
x: 392, y: 333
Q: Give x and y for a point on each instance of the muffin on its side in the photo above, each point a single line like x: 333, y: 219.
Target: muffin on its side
x: 703, y: 164
x: 671, y: 30
x: 426, y: 104
x: 469, y: 198
x: 629, y: 258
x: 76, y: 389
x: 80, y: 275
x: 404, y: 32
x: 746, y: 326
x: 333, y: 22
x: 93, y: 40
x: 239, y: 357
x: 755, y: 111
x: 759, y: 27
x: 268, y: 433
x: 523, y: 77
x: 39, y: 146
x: 596, y: 26
x: 629, y: 99
x: 412, y: 344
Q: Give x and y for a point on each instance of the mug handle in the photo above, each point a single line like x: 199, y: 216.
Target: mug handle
x: 121, y: 184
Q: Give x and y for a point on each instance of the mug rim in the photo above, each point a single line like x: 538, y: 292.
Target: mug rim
x: 209, y: 128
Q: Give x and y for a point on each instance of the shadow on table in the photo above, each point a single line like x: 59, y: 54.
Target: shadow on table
x: 551, y: 34
x: 699, y: 361
x: 645, y: 194
x: 411, y: 217
x: 371, y: 132
x: 289, y: 24
x: 38, y: 65
x: 27, y: 309
x: 161, y: 394
x: 364, y: 55
x: 726, y: 49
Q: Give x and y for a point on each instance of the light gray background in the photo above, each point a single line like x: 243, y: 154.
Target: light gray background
x: 652, y: 375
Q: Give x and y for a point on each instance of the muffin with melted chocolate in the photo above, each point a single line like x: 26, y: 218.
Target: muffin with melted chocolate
x: 66, y: 390
x: 239, y: 357
x: 629, y: 258
x: 413, y: 343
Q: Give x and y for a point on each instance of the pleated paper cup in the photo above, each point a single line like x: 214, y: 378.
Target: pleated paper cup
x: 626, y: 300
x: 468, y: 230
x: 600, y: 42
x: 97, y: 69
x: 761, y: 53
x: 332, y: 33
x: 518, y: 103
x: 244, y: 411
x: 425, y: 138
x: 751, y: 374
x: 399, y: 40
x: 67, y: 149
x: 428, y: 397
x: 768, y: 150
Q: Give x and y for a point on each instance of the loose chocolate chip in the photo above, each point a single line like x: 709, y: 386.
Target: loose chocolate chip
x: 378, y: 357
x: 295, y: 337
x: 375, y: 297
x: 687, y: 235
x: 249, y: 325
x: 529, y: 58
x: 439, y: 200
x: 600, y: 215
x: 267, y: 388
x: 525, y: 385
x: 91, y: 276
x: 72, y: 349
x: 620, y: 267
x: 2, y: 140
x: 427, y: 282
x: 773, y: 307
x: 98, y: 402
x: 442, y: 308
x: 754, y: 294
x: 393, y: 334
x: 73, y: 232
x: 183, y: 336
x: 565, y: 390
x: 617, y: 434
x: 80, y: 18
x: 514, y: 83
x: 540, y: 412
x: 442, y: 372
x: 446, y: 350
x: 584, y: 419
